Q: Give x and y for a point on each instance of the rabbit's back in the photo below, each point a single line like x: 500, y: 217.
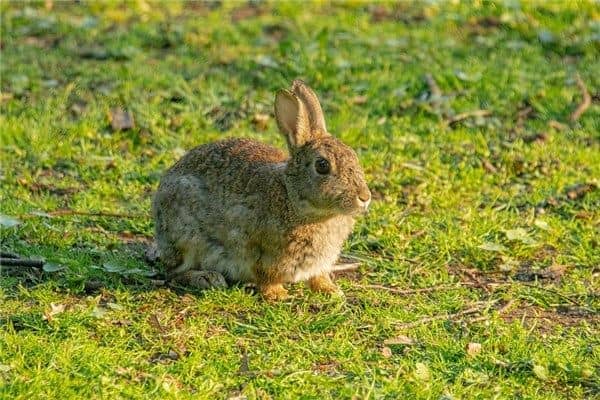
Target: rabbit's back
x: 212, y: 203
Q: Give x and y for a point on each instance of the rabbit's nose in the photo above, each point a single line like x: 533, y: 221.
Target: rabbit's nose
x: 364, y: 198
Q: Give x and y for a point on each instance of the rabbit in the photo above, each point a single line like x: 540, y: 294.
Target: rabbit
x: 238, y: 210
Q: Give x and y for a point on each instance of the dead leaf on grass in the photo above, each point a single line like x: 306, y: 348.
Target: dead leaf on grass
x: 120, y: 120
x: 55, y: 309
x: 386, y: 352
x: 473, y: 348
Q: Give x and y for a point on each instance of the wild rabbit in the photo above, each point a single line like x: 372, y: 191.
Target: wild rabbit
x: 241, y: 211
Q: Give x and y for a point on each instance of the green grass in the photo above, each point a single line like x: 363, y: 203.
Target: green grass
x: 478, y: 200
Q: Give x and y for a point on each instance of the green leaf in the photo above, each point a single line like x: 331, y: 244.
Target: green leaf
x: 108, y: 267
x: 51, y: 267
x: 519, y: 234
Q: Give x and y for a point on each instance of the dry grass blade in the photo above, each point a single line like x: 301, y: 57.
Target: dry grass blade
x: 434, y: 89
x: 469, y: 114
x: 585, y: 102
x: 501, y: 311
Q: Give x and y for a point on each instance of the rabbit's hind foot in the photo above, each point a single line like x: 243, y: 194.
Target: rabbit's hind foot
x: 273, y: 292
x: 324, y: 284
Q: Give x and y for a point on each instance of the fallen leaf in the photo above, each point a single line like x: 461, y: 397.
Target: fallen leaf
x: 54, y: 310
x: 473, y: 348
x: 120, y: 120
x: 386, y: 352
x: 51, y: 267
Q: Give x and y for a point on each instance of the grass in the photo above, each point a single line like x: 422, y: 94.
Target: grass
x: 506, y: 204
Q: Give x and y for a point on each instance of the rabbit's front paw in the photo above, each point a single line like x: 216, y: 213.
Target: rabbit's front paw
x: 201, y: 279
x: 324, y: 284
x: 273, y: 292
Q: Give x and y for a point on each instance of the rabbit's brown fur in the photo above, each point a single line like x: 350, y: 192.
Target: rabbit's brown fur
x: 247, y: 211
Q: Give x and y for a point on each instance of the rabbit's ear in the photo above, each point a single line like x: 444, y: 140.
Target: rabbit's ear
x: 313, y: 107
x: 292, y: 118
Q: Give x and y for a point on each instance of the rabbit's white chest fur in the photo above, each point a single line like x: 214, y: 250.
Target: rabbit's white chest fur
x: 321, y: 253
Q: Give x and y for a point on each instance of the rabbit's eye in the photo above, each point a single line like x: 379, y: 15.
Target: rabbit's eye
x: 322, y: 166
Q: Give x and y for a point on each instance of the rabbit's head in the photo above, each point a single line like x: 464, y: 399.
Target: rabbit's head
x: 323, y: 175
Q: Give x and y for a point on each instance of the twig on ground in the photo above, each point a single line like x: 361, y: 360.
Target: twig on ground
x: 522, y: 116
x: 586, y: 100
x: 469, y: 114
x: 21, y: 262
x: 472, y: 310
x: 432, y: 85
x: 557, y: 125
x: 475, y: 280
x: 7, y: 254
x: 501, y: 311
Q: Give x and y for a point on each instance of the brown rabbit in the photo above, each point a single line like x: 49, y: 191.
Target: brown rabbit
x: 243, y: 211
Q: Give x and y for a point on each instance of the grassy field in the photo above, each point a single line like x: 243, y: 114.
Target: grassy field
x: 485, y: 193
